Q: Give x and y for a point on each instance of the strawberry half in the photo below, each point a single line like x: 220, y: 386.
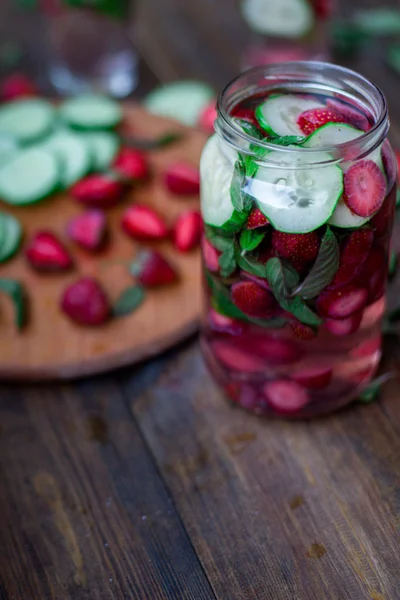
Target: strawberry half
x: 236, y: 358
x: 364, y: 188
x: 132, y: 165
x: 46, y: 252
x: 151, y: 269
x: 252, y: 299
x: 342, y: 327
x: 188, y: 230
x: 342, y: 302
x: 256, y: 219
x: 144, y: 224
x: 286, y: 396
x: 313, y: 378
x: 88, y: 230
x: 311, y: 120
x: 207, y: 118
x: 274, y: 351
x: 210, y: 255
x: 86, y: 303
x: 17, y: 86
x: 182, y: 179
x: 302, y: 332
x: 296, y: 247
x: 354, y: 254
x: 349, y: 115
x: 99, y: 191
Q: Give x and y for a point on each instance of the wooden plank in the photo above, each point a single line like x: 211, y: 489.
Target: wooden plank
x: 277, y: 510
x: 84, y: 513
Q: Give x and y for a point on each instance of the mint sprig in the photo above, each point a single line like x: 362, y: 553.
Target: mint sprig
x: 129, y: 301
x: 374, y: 389
x: 227, y: 261
x: 241, y: 201
x: 15, y: 290
x: 287, y: 140
x: 250, y: 239
x: 249, y: 128
x: 249, y: 264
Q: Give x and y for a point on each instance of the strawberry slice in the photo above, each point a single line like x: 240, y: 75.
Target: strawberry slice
x: 207, y: 118
x: 151, y: 269
x: 374, y: 273
x: 252, y: 299
x: 99, y: 191
x: 17, y: 86
x: 342, y: 302
x: 342, y: 327
x: 210, y: 255
x: 236, y: 358
x: 354, y: 253
x: 88, y: 230
x: 311, y: 120
x: 299, y: 248
x: 132, y: 165
x: 302, y: 332
x: 286, y: 396
x: 349, y: 115
x: 182, y: 179
x: 224, y: 324
x: 368, y: 348
x: 256, y: 219
x: 364, y: 188
x: 46, y: 252
x: 274, y: 351
x: 86, y: 303
x: 188, y: 231
x: 313, y: 378
x: 247, y: 114
x: 144, y: 224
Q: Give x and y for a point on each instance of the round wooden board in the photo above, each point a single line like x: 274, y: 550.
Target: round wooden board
x: 52, y: 347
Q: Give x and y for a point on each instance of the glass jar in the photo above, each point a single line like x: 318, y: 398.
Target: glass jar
x: 287, y: 30
x: 298, y: 198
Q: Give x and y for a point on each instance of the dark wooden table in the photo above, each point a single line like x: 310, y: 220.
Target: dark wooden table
x: 145, y: 484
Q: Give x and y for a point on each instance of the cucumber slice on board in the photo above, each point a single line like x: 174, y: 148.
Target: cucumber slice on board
x: 343, y: 217
x: 30, y: 176
x: 103, y: 146
x: 8, y: 147
x: 278, y: 114
x: 10, y: 236
x: 26, y: 120
x: 297, y: 199
x: 281, y: 18
x: 180, y: 100
x: 91, y: 111
x: 216, y: 176
x: 73, y: 153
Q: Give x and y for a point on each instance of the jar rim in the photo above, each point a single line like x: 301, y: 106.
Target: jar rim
x: 369, y: 140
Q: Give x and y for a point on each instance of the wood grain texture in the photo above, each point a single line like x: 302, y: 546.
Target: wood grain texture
x: 167, y: 316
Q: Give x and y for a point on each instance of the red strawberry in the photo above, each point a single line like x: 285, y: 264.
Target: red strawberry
x: 296, y: 247
x: 245, y: 113
x: 132, y: 165
x: 265, y: 254
x: 382, y: 221
x: 354, y: 254
x: 188, y: 230
x: 17, y: 86
x: 286, y: 396
x: 153, y: 270
x: 207, y: 118
x: 182, y: 179
x: 342, y: 302
x: 374, y: 273
x: 250, y: 277
x: 364, y: 188
x: 342, y: 327
x: 236, y: 358
x: 100, y: 191
x: 302, y: 332
x: 349, y: 115
x: 88, y: 230
x: 252, y: 299
x: 45, y: 252
x: 210, y: 255
x: 144, y: 224
x: 224, y: 324
x: 86, y: 303
x: 313, y: 378
x: 323, y: 8
x: 256, y: 219
x: 274, y: 351
x: 313, y: 119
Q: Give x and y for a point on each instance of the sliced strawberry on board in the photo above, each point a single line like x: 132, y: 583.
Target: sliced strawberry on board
x: 313, y: 378
x: 256, y: 219
x: 98, y: 191
x: 252, y: 299
x: 349, y: 115
x: 364, y: 188
x: 182, y: 179
x: 299, y: 248
x: 210, y: 255
x: 286, y: 396
x: 188, y: 230
x: 302, y: 332
x: 45, y: 252
x: 236, y: 358
x: 342, y: 327
x: 86, y: 303
x: 151, y: 269
x: 342, y: 302
x: 354, y: 253
x: 144, y: 224
x: 17, y: 86
x: 131, y: 165
x: 224, y: 324
x: 311, y: 120
x: 207, y: 118
x: 88, y: 229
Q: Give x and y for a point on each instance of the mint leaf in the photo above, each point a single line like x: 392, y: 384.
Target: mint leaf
x: 129, y: 301
x: 374, y: 388
x: 250, y: 264
x: 249, y: 128
x: 218, y: 239
x: 324, y: 268
x: 378, y: 22
x: 227, y: 261
x: 235, y: 223
x: 15, y: 291
x: 287, y: 140
x: 241, y: 201
x: 393, y: 58
x: 250, y: 239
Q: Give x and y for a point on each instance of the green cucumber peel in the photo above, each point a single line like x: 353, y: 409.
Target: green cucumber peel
x: 15, y: 290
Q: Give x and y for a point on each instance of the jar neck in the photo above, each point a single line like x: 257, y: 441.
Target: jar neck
x: 305, y: 78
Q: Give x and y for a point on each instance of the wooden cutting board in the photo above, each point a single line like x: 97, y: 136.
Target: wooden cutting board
x: 51, y: 346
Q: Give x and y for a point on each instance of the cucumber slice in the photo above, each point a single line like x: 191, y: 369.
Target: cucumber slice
x: 10, y: 236
x: 26, y: 120
x: 278, y: 115
x: 343, y: 217
x: 180, y: 100
x: 8, y: 147
x: 281, y: 18
x: 91, y: 111
x: 295, y: 198
x: 332, y: 134
x: 103, y: 146
x: 216, y: 176
x: 29, y: 177
x: 74, y: 155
